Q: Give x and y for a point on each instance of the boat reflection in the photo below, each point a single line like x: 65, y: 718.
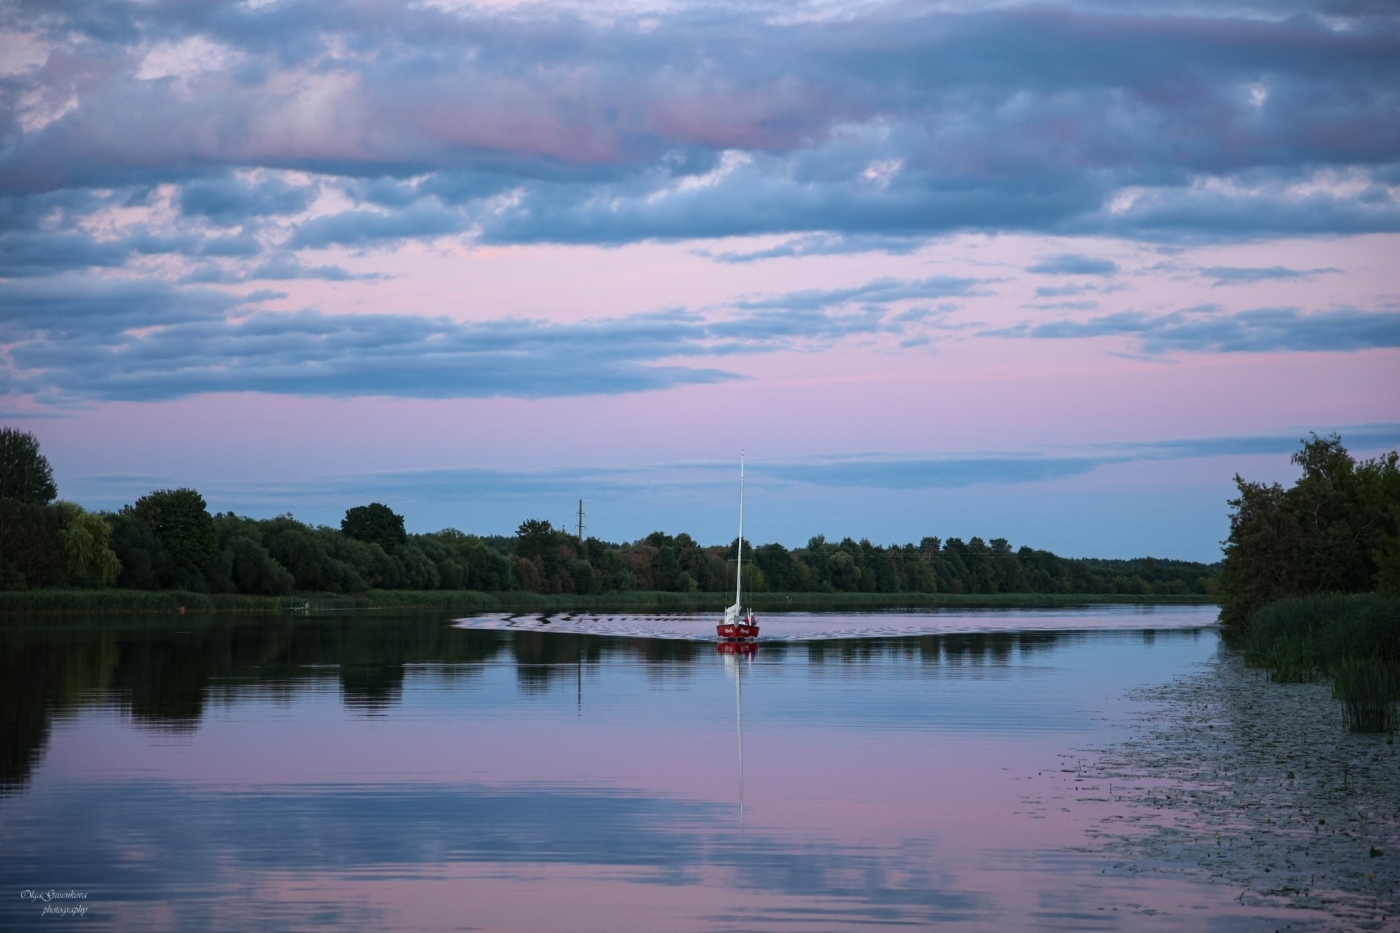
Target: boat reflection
x: 741, y: 648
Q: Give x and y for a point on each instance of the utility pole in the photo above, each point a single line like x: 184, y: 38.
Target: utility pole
x: 580, y: 521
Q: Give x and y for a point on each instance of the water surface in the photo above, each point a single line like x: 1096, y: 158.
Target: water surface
x: 579, y: 773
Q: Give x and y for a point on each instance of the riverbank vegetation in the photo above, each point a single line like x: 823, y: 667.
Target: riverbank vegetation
x: 67, y: 601
x: 1354, y: 640
x: 1311, y: 579
x: 167, y: 542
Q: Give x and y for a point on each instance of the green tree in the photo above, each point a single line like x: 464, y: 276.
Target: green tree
x: 182, y: 523
x: 777, y: 565
x: 31, y: 549
x: 1387, y: 558
x: 242, y: 563
x: 25, y: 474
x: 249, y: 568
x: 87, y: 543
x: 375, y: 523
x: 307, y: 553
x: 146, y: 564
x: 845, y: 575
x: 419, y: 573
x: 535, y: 538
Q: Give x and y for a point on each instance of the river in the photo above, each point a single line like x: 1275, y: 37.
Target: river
x: 610, y: 773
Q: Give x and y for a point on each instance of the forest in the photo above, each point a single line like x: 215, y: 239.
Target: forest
x: 168, y: 539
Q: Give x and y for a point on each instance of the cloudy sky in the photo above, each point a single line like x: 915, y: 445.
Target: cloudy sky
x: 1053, y: 272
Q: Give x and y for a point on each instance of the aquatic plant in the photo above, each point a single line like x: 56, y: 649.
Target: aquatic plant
x: 1368, y: 689
x: 1354, y: 639
x: 1322, y: 630
x: 1288, y: 659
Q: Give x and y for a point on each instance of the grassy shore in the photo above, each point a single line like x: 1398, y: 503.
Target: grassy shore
x: 466, y: 601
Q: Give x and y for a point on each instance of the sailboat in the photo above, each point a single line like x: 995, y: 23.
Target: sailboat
x: 738, y: 629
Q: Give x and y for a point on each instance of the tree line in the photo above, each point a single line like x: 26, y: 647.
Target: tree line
x: 168, y: 539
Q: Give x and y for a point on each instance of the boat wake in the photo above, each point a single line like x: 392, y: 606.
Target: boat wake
x: 799, y: 626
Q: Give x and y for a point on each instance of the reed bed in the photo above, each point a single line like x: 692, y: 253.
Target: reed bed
x: 1368, y: 689
x: 1353, y: 639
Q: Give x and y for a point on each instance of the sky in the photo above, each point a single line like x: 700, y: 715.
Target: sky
x: 1053, y: 272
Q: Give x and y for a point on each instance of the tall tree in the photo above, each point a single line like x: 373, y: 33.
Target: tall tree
x: 375, y: 523
x: 25, y: 473
x: 536, y: 538
x: 182, y: 522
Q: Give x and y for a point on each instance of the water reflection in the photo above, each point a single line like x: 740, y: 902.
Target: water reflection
x: 373, y: 772
x: 737, y: 656
x: 165, y: 673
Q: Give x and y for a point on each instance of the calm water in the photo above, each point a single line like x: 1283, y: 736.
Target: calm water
x: 373, y: 772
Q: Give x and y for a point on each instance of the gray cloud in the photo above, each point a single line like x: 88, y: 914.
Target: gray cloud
x: 877, y: 292
x: 1059, y: 291
x: 76, y: 338
x: 310, y: 353
x: 229, y: 199
x: 1357, y: 437
x: 425, y: 219
x: 278, y: 269
x: 88, y: 310
x: 35, y: 254
x: 1236, y: 275
x: 38, y: 253
x: 706, y: 480
x: 932, y: 473
x: 889, y: 123
x: 1074, y: 265
x: 874, y: 131
x: 1210, y: 330
x: 1088, y: 305
x: 820, y: 244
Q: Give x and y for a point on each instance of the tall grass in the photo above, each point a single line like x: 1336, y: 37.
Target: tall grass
x: 1368, y: 689
x: 1289, y: 660
x: 1355, y: 640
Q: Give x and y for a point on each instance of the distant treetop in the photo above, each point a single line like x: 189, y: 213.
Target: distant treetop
x: 375, y: 523
x: 181, y: 520
x: 25, y: 473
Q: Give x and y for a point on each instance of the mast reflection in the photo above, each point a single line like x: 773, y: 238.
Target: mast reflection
x: 735, y: 654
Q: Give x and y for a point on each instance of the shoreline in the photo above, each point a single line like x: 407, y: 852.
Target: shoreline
x: 1231, y: 779
x: 124, y: 602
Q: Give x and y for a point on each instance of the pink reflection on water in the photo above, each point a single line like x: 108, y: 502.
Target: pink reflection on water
x: 914, y: 805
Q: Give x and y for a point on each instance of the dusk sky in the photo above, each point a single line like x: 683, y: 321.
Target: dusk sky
x: 1052, y: 272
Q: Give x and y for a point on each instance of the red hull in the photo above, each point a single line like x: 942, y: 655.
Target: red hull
x: 739, y: 630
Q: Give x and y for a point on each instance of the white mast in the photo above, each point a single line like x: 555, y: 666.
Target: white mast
x: 739, y: 582
x: 732, y: 615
